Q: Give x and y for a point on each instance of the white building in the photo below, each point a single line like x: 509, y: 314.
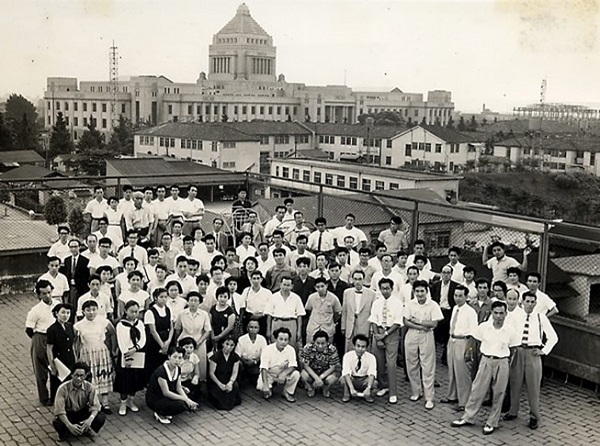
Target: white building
x: 311, y: 175
x: 241, y: 85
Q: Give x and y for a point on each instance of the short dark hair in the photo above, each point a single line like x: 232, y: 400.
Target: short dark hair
x: 360, y: 337
x: 513, y: 270
x: 385, y: 280
x: 302, y: 261
x: 278, y: 232
x: 421, y: 283
x: 80, y: 365
x: 462, y: 288
x: 535, y: 274
x: 42, y: 283
x: 529, y: 294
x: 321, y: 334
x: 419, y: 242
x: 320, y: 280
x: 498, y: 245
x: 171, y: 283
x: 499, y: 304
x: 283, y: 330
x: 482, y: 281
x: 320, y: 220
x: 454, y: 249
x: 186, y: 341
x: 501, y: 284
x: 396, y: 219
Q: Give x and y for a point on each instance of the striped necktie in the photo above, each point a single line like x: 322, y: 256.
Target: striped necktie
x: 525, y: 340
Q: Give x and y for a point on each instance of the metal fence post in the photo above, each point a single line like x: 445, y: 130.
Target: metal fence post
x: 118, y: 192
x: 320, y: 200
x: 543, y: 256
x: 414, y: 228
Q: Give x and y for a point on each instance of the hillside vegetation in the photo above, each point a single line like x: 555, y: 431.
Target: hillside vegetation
x: 574, y: 197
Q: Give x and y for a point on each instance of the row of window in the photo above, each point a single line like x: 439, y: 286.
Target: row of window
x: 104, y: 121
x: 84, y: 105
x: 333, y: 180
x: 426, y: 147
x: 168, y: 90
x: 555, y: 166
x: 218, y: 110
x: 147, y: 140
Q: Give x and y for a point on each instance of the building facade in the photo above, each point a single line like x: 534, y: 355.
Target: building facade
x: 313, y: 175
x: 241, y: 85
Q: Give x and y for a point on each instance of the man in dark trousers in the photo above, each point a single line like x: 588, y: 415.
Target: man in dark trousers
x: 442, y: 292
x: 76, y: 269
x: 337, y: 286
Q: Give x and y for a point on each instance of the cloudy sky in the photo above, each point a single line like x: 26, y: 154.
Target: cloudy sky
x: 484, y: 51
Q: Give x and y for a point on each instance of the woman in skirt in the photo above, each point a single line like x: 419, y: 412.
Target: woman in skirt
x: 159, y: 328
x: 131, y: 337
x: 96, y: 346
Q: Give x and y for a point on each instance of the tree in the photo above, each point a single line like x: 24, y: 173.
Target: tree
x: 77, y: 222
x: 484, y: 122
x: 472, y: 124
x: 437, y: 121
x: 6, y: 135
x: 121, y: 140
x: 17, y: 106
x: 55, y: 210
x: 60, y: 140
x: 91, y: 152
x: 450, y: 123
x: 461, y: 125
x: 224, y: 118
x: 21, y: 117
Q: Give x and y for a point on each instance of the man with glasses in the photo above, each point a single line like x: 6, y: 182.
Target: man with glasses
x: 104, y: 258
x: 138, y: 218
x: 61, y: 249
x: 76, y: 406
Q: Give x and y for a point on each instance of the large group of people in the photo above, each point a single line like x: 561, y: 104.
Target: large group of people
x: 154, y: 303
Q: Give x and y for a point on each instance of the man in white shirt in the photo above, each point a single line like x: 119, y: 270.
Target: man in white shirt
x: 386, y: 322
x: 278, y: 366
x: 160, y: 208
x: 418, y: 250
x: 193, y: 211
x: 61, y: 249
x: 111, y: 232
x: 187, y: 282
x: 91, y: 243
x: 497, y: 342
x: 360, y: 239
x: 454, y: 262
x: 126, y: 203
x: 500, y: 263
x: 299, y: 229
x: 527, y: 364
x: 59, y: 282
x: 138, y: 218
x: 276, y: 222
x: 39, y: 318
x: 394, y: 238
x: 249, y: 348
x: 375, y: 262
x: 544, y: 304
x: 359, y: 370
x: 513, y: 276
x: 104, y: 258
x: 96, y: 208
x: 265, y: 259
x: 463, y: 322
x: 257, y: 300
x: 175, y: 202
x: 301, y: 251
x: 255, y: 229
x: 387, y: 272
x: 421, y: 316
x: 322, y: 239
x: 286, y: 310
x: 132, y: 249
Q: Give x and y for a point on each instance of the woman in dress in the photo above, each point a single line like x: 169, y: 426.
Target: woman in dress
x: 222, y: 317
x: 60, y: 337
x: 195, y: 323
x: 97, y: 346
x: 159, y: 331
x: 131, y: 338
x: 223, y: 368
x: 175, y: 302
x: 237, y: 304
x: 165, y: 396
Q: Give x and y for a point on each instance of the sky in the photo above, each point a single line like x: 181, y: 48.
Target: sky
x: 485, y: 52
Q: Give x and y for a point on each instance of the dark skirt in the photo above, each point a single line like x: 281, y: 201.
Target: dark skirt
x: 222, y: 400
x: 128, y: 380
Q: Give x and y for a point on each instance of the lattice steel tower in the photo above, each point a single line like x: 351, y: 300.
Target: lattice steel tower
x: 114, y: 75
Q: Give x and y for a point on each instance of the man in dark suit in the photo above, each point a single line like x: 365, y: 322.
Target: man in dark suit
x: 337, y: 286
x: 442, y: 292
x: 76, y: 268
x: 221, y: 238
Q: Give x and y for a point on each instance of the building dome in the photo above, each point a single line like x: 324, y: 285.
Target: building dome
x: 243, y: 23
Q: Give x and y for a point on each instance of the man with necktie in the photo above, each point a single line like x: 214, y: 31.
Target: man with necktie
x: 359, y: 370
x: 76, y: 269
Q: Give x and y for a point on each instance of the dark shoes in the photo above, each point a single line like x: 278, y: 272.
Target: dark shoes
x: 487, y: 403
x: 533, y: 423
x: 509, y: 417
x: 448, y: 401
x: 288, y: 397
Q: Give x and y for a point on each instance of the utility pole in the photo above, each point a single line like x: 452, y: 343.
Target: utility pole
x: 114, y: 75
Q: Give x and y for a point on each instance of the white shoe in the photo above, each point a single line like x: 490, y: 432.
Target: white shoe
x: 163, y: 420
x: 131, y: 404
x: 123, y: 408
x: 429, y: 405
x: 382, y: 392
x: 393, y: 399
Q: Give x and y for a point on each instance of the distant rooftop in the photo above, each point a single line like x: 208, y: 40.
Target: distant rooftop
x: 20, y: 156
x: 358, y: 130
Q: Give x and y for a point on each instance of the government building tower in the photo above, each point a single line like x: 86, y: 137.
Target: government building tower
x: 242, y: 85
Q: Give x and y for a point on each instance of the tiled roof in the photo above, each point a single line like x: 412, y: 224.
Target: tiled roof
x: 27, y: 234
x: 591, y: 144
x: 588, y: 265
x: 28, y: 171
x: 243, y: 23
x: 358, y: 130
x: 20, y: 156
x: 268, y: 128
x: 205, y: 131
x: 334, y: 210
x: 159, y: 166
x: 448, y: 135
x: 316, y: 154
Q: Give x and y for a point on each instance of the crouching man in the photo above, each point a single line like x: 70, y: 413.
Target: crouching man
x: 77, y: 407
x: 359, y: 369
